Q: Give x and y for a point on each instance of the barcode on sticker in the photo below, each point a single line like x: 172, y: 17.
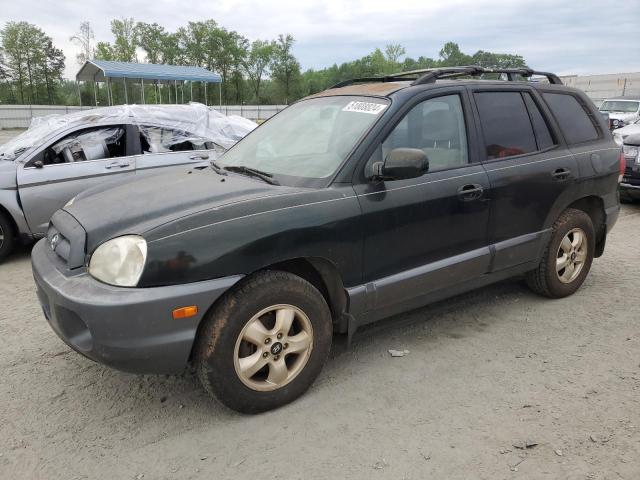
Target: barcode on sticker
x: 364, y: 107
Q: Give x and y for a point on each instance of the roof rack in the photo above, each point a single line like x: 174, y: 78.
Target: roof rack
x: 430, y: 75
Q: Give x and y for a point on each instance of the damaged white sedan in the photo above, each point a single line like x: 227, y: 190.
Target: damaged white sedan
x: 60, y: 156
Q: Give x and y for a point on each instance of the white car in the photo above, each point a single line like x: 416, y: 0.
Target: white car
x: 622, y: 111
x: 620, y: 134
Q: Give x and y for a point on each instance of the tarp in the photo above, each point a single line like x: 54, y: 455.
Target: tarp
x: 194, y: 118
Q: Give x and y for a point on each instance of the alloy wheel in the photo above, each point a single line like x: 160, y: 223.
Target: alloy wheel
x: 572, y: 254
x: 273, y: 347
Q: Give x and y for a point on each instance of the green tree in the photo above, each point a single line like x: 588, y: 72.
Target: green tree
x: 105, y: 51
x: 285, y: 67
x: 451, y: 56
x: 125, y: 42
x: 152, y: 39
x: 257, y: 63
x: 393, y: 54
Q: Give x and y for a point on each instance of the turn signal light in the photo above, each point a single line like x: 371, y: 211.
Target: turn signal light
x: 185, y: 312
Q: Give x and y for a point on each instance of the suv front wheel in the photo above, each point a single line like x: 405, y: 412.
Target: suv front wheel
x: 264, y: 343
x: 567, y: 258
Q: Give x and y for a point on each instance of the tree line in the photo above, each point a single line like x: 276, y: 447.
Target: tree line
x: 261, y: 71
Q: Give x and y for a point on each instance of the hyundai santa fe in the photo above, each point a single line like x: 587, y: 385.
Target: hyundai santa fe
x: 371, y: 198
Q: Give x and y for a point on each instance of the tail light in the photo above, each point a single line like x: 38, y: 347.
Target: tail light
x: 623, y: 166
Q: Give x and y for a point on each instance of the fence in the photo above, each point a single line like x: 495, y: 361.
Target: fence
x: 19, y: 116
x: 601, y: 87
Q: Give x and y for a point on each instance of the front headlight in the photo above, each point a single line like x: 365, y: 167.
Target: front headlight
x: 631, y: 152
x: 119, y: 261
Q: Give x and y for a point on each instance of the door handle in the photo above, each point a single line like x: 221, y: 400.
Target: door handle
x: 121, y: 164
x: 561, y: 174
x: 470, y: 192
x: 200, y: 156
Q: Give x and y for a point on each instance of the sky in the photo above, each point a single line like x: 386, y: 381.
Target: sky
x: 570, y: 37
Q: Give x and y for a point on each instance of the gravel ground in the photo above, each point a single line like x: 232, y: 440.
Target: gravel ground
x: 487, y: 374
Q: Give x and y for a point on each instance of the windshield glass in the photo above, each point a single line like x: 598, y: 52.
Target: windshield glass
x: 27, y: 139
x: 620, y: 106
x: 308, y: 141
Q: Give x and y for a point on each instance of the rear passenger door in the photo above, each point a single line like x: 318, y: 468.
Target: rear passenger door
x: 530, y: 170
x: 163, y: 147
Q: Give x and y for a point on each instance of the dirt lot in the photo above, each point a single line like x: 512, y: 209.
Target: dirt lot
x: 487, y: 372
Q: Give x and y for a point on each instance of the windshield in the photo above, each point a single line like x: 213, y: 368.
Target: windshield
x: 622, y: 106
x: 307, y: 142
x: 23, y: 142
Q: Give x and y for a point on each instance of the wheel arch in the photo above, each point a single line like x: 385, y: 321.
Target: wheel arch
x: 325, y: 276
x: 593, y: 206
x: 7, y: 214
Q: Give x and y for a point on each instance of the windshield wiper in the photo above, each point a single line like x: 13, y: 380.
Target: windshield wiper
x: 217, y: 168
x: 267, y: 177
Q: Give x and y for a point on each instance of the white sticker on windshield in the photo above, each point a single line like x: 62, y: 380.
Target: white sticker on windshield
x: 364, y: 107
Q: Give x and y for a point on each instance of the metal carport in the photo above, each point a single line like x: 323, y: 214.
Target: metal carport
x: 104, y: 71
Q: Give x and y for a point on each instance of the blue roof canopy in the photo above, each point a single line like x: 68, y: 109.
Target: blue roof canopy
x: 100, y: 70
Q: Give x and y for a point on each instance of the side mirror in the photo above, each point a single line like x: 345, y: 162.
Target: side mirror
x: 38, y: 164
x: 401, y: 164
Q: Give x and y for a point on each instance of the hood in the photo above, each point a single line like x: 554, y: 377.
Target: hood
x: 139, y: 205
x: 7, y: 174
x: 621, y: 133
x: 622, y: 116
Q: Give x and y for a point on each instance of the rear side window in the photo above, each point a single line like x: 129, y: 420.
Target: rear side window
x: 543, y: 134
x: 505, y: 123
x: 572, y: 117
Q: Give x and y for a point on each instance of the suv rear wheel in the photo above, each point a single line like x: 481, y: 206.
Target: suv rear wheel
x: 7, y: 236
x: 567, y: 258
x: 264, y: 343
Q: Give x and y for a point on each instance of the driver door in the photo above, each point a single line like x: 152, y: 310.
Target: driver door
x: 427, y: 233
x: 69, y: 165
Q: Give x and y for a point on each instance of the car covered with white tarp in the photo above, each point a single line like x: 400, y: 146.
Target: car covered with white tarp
x: 59, y: 156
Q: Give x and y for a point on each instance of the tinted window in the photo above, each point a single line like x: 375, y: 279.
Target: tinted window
x: 572, y: 117
x: 505, y: 124
x: 540, y: 127
x: 89, y: 144
x: 435, y: 126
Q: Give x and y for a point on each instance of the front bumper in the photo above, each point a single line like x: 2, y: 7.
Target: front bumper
x: 131, y: 329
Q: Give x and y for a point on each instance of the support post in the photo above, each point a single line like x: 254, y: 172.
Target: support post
x: 95, y: 91
x: 126, y: 97
x: 191, y: 88
x: 220, y: 94
x: 79, y: 94
x: 182, y: 90
x: 205, y: 93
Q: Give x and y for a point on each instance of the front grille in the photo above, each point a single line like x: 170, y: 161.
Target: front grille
x: 67, y: 238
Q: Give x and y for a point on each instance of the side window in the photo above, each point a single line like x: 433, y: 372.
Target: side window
x: 88, y: 144
x: 573, y: 118
x: 435, y: 126
x: 165, y: 140
x: 505, y: 124
x: 540, y: 127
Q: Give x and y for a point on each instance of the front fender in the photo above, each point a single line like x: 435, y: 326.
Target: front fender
x: 245, y: 237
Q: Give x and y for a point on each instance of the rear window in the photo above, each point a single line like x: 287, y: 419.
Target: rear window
x: 573, y: 118
x: 505, y: 124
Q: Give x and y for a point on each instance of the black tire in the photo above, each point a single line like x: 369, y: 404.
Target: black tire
x: 215, y: 350
x: 544, y: 280
x: 7, y: 236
